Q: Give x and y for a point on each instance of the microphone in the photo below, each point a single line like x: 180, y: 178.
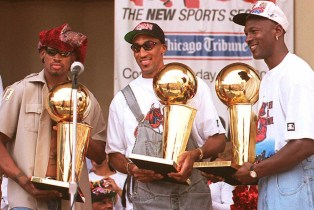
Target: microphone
x: 77, y: 68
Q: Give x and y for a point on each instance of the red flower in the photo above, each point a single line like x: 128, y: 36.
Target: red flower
x: 244, y: 198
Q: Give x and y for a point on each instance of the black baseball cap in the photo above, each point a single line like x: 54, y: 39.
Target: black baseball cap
x: 148, y: 28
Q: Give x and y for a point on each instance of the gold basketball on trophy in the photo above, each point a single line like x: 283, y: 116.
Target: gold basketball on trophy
x: 237, y: 83
x: 59, y: 103
x: 175, y: 84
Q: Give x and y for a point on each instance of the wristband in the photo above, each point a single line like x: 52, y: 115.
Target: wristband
x: 201, y: 155
x: 127, y: 168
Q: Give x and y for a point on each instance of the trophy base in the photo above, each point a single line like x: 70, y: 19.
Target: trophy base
x: 159, y: 165
x: 62, y: 187
x: 222, y: 169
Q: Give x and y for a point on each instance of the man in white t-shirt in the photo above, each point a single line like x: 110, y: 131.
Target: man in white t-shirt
x: 125, y: 127
x: 284, y: 150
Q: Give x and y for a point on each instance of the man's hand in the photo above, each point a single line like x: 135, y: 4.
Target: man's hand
x: 143, y: 175
x: 29, y: 187
x: 243, y: 174
x: 185, y: 167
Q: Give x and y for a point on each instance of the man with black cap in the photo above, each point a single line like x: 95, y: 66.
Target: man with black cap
x: 26, y: 128
x: 284, y: 164
x: 135, y: 115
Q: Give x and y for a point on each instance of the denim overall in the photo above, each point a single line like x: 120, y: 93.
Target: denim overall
x: 160, y: 194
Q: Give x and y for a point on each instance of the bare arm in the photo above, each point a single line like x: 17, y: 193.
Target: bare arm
x: 8, y: 166
x: 96, y: 151
x: 215, y: 144
x: 289, y: 156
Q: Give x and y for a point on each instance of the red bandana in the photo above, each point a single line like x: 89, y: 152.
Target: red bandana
x: 64, y: 39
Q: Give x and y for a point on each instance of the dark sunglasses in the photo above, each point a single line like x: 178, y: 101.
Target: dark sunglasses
x: 148, y: 45
x: 53, y: 52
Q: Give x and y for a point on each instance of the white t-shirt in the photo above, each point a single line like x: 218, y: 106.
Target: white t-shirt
x: 4, y: 199
x: 119, y: 178
x: 286, y: 110
x: 221, y: 193
x: 122, y: 123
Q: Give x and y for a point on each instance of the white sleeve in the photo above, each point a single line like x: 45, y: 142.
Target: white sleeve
x: 115, y: 128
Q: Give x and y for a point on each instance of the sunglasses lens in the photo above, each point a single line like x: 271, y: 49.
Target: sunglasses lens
x: 53, y: 52
x: 64, y: 54
x: 148, y: 45
x: 135, y: 48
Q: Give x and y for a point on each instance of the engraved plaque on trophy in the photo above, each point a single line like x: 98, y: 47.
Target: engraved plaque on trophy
x: 60, y: 108
x: 174, y: 85
x: 237, y: 86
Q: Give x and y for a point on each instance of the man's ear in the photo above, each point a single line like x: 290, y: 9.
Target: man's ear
x: 42, y: 56
x: 164, y: 48
x: 279, y: 30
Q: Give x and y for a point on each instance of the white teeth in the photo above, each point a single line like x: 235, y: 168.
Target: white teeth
x: 252, y: 47
x: 145, y: 62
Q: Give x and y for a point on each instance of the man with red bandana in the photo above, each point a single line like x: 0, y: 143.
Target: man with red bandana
x: 26, y: 128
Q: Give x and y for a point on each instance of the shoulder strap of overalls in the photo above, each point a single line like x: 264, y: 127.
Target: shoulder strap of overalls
x: 132, y: 103
x: 136, y: 110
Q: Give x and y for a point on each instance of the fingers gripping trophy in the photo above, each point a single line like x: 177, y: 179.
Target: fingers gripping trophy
x: 59, y: 105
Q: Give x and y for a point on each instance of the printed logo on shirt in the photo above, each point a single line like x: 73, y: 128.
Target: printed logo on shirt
x: 265, y: 146
x: 264, y: 119
x: 154, y: 116
x: 264, y: 149
x: 290, y: 127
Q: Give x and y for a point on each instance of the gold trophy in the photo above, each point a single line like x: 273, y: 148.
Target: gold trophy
x: 60, y: 108
x: 174, y: 85
x: 237, y: 86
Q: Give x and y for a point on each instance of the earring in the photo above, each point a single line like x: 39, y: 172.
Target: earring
x: 277, y: 38
x: 43, y: 60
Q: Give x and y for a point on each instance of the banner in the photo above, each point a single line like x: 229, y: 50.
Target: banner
x: 199, y: 33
